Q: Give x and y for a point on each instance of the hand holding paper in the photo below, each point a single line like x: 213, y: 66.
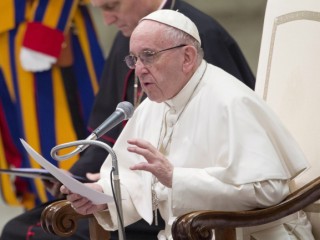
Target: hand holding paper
x: 81, y: 204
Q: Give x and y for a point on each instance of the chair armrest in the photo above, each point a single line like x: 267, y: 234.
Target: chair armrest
x: 199, y: 224
x: 60, y: 219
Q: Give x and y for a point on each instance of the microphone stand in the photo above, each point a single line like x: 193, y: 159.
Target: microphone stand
x: 116, y: 179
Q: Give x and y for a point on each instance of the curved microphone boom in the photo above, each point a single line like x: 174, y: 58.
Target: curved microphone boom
x: 124, y: 111
x: 115, y: 171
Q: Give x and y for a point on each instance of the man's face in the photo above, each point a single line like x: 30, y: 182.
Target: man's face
x: 125, y: 14
x: 163, y: 78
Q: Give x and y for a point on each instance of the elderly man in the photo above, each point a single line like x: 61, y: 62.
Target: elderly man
x: 119, y: 83
x: 191, y: 138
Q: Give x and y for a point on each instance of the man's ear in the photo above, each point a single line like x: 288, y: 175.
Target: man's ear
x: 190, y: 58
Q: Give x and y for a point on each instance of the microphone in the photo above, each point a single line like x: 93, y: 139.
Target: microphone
x: 124, y: 111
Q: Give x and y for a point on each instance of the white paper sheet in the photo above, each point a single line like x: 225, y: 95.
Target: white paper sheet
x: 72, y: 184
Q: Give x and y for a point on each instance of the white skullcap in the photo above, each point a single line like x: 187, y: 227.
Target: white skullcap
x: 174, y: 19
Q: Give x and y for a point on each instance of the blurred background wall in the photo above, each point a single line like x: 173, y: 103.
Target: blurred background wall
x: 242, y: 18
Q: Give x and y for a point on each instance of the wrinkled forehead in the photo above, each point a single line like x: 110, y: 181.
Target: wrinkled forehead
x: 148, y: 31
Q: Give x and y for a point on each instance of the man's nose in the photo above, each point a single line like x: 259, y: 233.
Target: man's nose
x: 139, y: 63
x: 109, y: 18
x: 140, y: 67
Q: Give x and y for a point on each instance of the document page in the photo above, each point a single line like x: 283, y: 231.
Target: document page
x: 74, y: 185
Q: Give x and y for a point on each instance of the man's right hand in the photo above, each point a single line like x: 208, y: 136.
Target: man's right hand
x: 81, y: 204
x: 53, y: 186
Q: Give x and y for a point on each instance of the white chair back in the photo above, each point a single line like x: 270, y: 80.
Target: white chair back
x: 288, y: 78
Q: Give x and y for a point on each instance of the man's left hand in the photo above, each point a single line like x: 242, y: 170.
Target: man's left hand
x: 156, y: 163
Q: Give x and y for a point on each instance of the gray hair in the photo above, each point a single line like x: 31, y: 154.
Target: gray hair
x: 179, y: 37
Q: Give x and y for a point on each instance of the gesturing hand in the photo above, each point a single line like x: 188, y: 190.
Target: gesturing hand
x: 156, y: 163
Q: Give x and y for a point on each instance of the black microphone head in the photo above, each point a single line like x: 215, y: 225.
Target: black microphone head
x: 127, y: 109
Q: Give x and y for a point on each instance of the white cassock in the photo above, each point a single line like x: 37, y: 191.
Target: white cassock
x: 229, y: 152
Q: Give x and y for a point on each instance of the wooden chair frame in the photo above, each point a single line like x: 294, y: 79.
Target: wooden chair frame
x: 59, y: 218
x: 199, y: 224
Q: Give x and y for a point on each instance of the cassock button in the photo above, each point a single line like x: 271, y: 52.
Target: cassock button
x: 170, y: 124
x: 172, y: 111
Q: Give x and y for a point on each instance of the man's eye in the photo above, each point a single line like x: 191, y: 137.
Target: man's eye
x: 148, y: 53
x: 133, y: 58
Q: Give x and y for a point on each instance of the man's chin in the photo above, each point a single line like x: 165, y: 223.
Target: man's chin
x: 126, y: 32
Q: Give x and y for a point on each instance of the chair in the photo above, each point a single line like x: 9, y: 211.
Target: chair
x: 60, y: 219
x: 287, y: 77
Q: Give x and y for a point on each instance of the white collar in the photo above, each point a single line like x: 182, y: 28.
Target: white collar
x: 182, y: 98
